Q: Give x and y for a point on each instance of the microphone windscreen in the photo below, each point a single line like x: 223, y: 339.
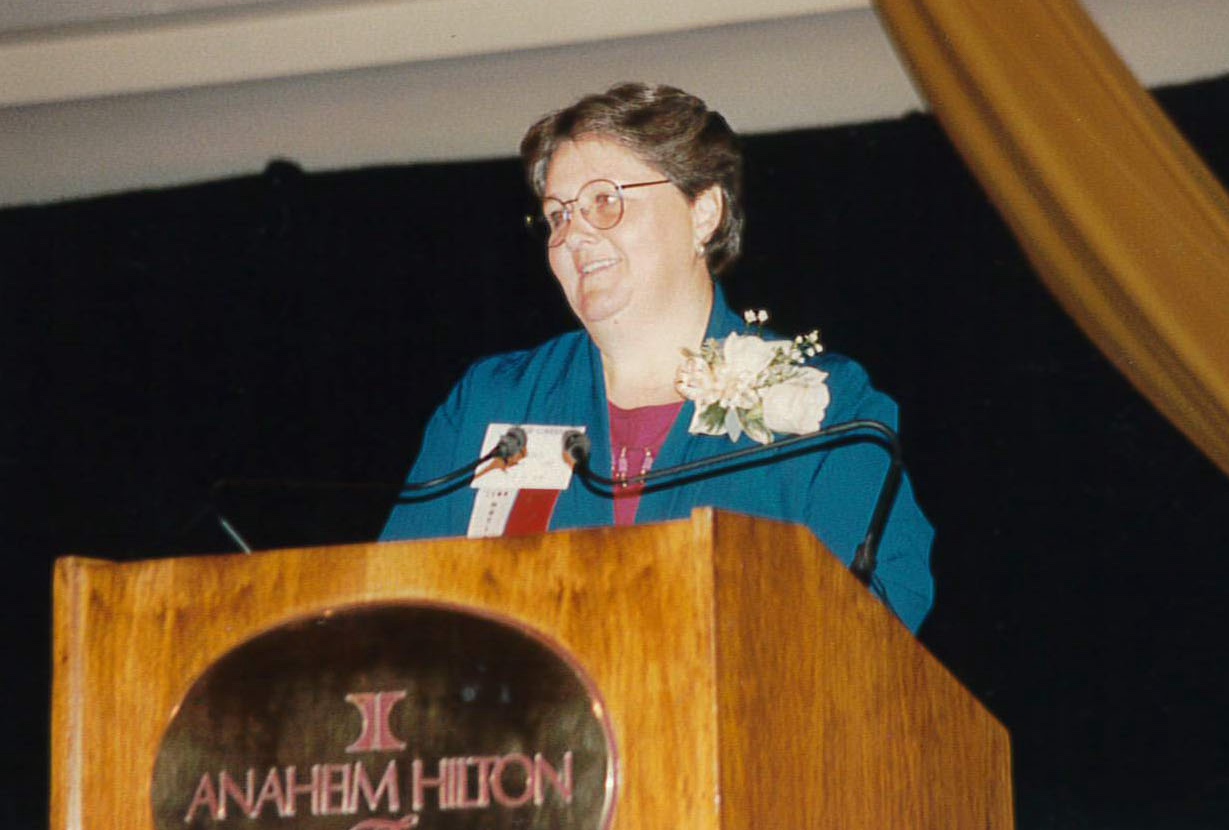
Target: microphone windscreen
x: 511, y: 443
x: 576, y: 445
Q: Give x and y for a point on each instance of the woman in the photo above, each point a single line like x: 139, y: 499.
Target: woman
x: 640, y: 195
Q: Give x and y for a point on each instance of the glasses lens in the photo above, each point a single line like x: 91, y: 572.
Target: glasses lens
x: 601, y: 204
x: 599, y: 201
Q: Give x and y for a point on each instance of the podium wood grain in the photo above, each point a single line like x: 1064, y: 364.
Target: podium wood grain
x: 750, y: 681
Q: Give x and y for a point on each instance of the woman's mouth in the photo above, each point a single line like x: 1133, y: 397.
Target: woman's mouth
x: 596, y: 265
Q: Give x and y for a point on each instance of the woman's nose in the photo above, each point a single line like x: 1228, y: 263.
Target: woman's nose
x: 578, y: 231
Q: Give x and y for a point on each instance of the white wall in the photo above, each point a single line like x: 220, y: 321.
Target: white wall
x: 425, y: 95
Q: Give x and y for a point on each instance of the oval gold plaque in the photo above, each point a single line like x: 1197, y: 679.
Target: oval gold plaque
x: 389, y: 717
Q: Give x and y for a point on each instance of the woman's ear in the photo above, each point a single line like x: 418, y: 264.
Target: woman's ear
x: 706, y: 211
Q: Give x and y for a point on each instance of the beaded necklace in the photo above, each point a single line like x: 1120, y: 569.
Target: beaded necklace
x: 636, y: 438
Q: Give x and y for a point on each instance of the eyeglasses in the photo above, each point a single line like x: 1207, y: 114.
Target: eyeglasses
x: 599, y: 201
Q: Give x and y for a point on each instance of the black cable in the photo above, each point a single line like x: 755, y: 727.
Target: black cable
x: 510, y: 444
x: 577, y: 445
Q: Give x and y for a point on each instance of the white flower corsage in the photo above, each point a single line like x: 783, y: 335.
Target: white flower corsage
x: 746, y: 384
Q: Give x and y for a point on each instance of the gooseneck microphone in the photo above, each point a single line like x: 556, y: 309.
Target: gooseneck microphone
x: 510, y: 445
x: 577, y: 447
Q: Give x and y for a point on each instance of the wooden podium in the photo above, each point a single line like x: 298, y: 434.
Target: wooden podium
x: 750, y: 680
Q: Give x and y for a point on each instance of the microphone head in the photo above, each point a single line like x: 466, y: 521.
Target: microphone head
x: 576, y: 446
x: 511, y: 444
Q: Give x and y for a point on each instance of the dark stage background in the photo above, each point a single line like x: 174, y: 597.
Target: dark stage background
x: 303, y: 326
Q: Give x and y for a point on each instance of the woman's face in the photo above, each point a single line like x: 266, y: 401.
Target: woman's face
x: 636, y: 270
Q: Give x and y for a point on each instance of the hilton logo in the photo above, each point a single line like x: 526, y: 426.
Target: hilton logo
x: 459, y: 783
x: 468, y: 723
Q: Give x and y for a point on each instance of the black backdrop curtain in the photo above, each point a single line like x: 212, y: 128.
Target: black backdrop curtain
x: 293, y: 325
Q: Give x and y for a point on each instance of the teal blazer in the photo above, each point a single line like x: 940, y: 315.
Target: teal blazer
x: 561, y: 382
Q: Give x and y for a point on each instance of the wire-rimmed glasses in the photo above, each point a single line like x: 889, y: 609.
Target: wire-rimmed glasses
x: 600, y: 202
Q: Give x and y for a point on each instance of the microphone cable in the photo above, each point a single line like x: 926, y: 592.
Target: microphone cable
x: 510, y: 444
x: 577, y: 446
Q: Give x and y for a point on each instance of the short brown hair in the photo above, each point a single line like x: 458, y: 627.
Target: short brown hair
x: 669, y: 130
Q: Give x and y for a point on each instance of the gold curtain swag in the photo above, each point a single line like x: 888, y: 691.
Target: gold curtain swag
x: 1122, y: 220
